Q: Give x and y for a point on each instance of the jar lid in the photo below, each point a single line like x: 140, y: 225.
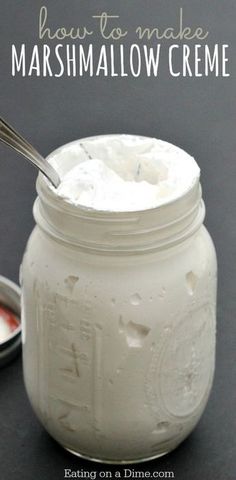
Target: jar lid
x: 10, y: 320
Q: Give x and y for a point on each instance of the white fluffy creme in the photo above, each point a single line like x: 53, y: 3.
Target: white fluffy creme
x: 123, y: 173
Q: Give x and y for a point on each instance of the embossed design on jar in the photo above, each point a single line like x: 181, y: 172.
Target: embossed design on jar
x: 181, y: 371
x: 65, y: 421
x: 64, y: 363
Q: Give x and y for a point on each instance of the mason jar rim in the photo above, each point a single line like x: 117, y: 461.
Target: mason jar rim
x: 181, y: 211
x: 43, y: 183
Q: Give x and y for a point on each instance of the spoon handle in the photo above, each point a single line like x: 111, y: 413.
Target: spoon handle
x: 10, y: 137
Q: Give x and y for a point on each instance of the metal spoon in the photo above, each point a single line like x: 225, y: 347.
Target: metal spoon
x: 11, y: 138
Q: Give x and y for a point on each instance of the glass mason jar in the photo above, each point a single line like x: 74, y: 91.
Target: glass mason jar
x: 119, y: 325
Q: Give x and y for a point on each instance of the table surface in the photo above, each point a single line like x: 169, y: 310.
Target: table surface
x: 196, y: 114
